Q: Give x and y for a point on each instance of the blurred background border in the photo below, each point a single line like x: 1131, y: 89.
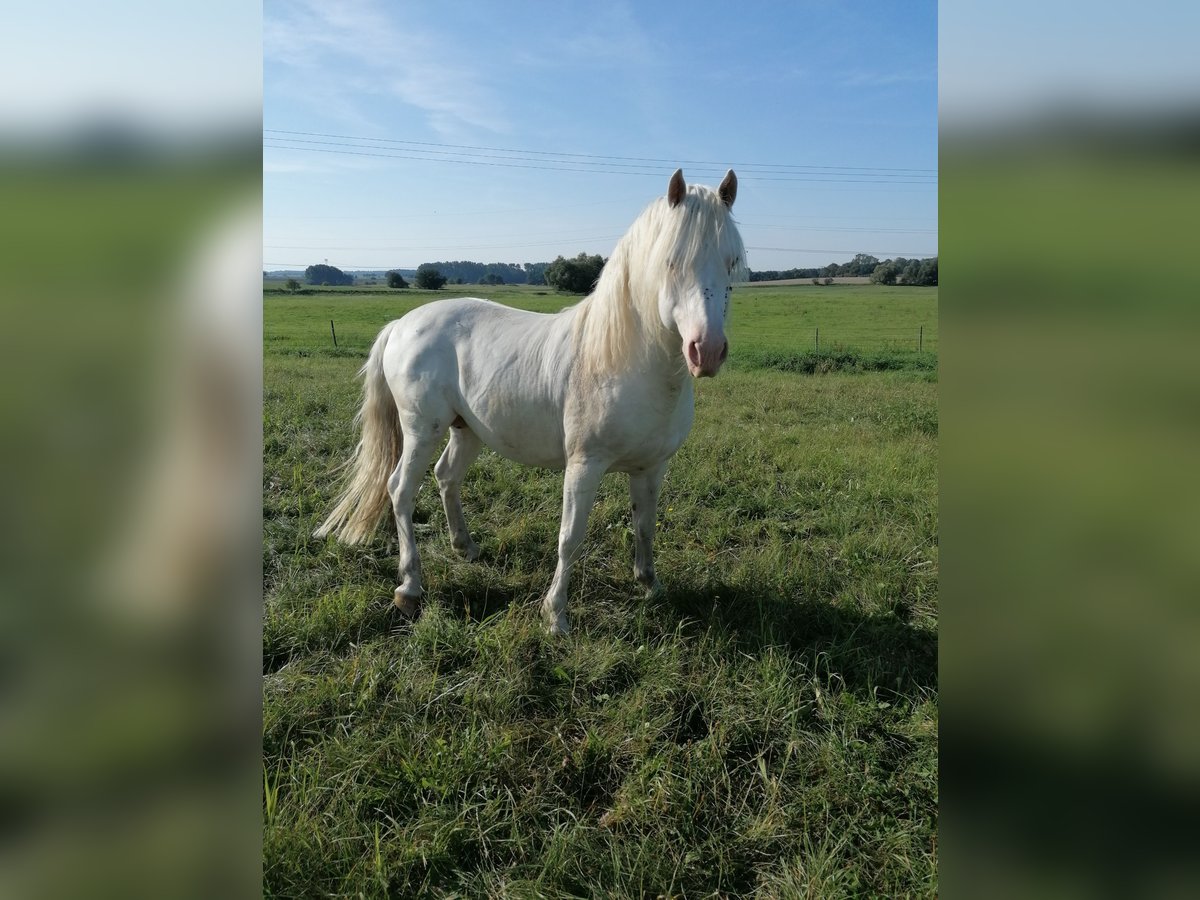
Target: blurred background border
x: 130, y: 649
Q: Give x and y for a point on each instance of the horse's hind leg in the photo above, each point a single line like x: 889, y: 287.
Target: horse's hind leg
x: 643, y: 491
x: 419, y: 443
x: 464, y: 446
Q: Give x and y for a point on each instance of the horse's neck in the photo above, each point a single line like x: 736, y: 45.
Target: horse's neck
x: 661, y: 358
x: 662, y: 363
x: 658, y: 373
x: 656, y: 357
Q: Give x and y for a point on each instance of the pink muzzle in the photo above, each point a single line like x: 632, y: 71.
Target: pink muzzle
x: 704, y: 357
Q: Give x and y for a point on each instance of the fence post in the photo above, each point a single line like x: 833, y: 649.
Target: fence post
x: 818, y: 341
x: 921, y: 339
x: 334, y: 333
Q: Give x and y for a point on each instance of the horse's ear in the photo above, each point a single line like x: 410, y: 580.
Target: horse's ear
x: 676, y: 189
x: 728, y: 189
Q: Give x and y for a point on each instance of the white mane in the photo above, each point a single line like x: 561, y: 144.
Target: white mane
x: 621, y: 315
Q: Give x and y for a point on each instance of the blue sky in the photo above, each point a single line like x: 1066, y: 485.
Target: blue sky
x: 827, y: 110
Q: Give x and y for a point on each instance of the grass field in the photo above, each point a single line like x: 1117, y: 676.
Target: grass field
x: 870, y: 326
x: 768, y: 726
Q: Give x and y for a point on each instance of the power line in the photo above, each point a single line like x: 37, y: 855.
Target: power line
x: 907, y: 253
x: 841, y: 228
x: 879, y: 187
x: 558, y: 237
x: 461, y: 248
x: 847, y: 218
x: 305, y: 265
x: 457, y: 212
x: 521, y: 162
x: 639, y: 159
x: 442, y: 248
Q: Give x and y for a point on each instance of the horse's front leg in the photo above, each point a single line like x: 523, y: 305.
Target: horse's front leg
x: 643, y: 492
x: 580, y: 484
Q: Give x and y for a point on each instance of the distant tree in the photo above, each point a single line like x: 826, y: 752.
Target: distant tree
x: 492, y: 278
x: 292, y: 285
x: 576, y: 276
x: 911, y: 273
x: 884, y: 273
x: 929, y: 271
x: 429, y: 278
x: 907, y: 271
x: 535, y: 273
x: 396, y: 281
x: 554, y: 271
x: 862, y: 264
x: 464, y: 271
x: 323, y: 274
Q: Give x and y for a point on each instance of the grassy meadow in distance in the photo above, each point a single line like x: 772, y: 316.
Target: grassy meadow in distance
x: 768, y: 726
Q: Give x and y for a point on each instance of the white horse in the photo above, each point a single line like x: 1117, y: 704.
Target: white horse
x: 600, y: 386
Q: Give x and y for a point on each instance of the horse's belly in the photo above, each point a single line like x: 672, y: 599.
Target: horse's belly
x: 651, y: 453
x: 529, y: 442
x: 530, y: 456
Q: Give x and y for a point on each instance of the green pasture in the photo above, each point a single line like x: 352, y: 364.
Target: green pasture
x: 768, y: 727
x: 765, y: 323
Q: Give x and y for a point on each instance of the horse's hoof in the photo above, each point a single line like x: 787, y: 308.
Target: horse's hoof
x: 656, y: 590
x: 408, y: 604
x: 558, y: 626
x: 470, y: 552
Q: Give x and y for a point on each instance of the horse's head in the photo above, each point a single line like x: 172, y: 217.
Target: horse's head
x: 669, y: 279
x: 704, y: 256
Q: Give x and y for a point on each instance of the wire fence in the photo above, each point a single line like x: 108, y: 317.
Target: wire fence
x: 818, y: 339
x: 351, y: 335
x: 893, y: 339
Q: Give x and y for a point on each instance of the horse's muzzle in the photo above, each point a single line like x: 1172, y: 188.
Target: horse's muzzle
x: 704, y: 358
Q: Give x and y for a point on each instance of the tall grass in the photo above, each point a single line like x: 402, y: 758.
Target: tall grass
x: 769, y: 725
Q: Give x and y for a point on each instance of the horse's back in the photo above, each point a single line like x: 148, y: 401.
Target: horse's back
x: 501, y: 371
x: 480, y: 335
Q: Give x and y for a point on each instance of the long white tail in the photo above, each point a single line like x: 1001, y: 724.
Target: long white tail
x: 364, y: 500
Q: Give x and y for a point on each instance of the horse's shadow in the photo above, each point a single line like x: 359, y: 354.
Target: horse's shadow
x: 479, y: 606
x: 865, y: 650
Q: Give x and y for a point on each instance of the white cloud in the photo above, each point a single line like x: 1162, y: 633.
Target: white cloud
x: 340, y: 54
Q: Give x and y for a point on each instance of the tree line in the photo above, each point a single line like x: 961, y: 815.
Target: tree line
x: 464, y: 271
x: 579, y: 274
x: 323, y: 274
x: 906, y: 271
x: 889, y: 271
x: 574, y: 276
